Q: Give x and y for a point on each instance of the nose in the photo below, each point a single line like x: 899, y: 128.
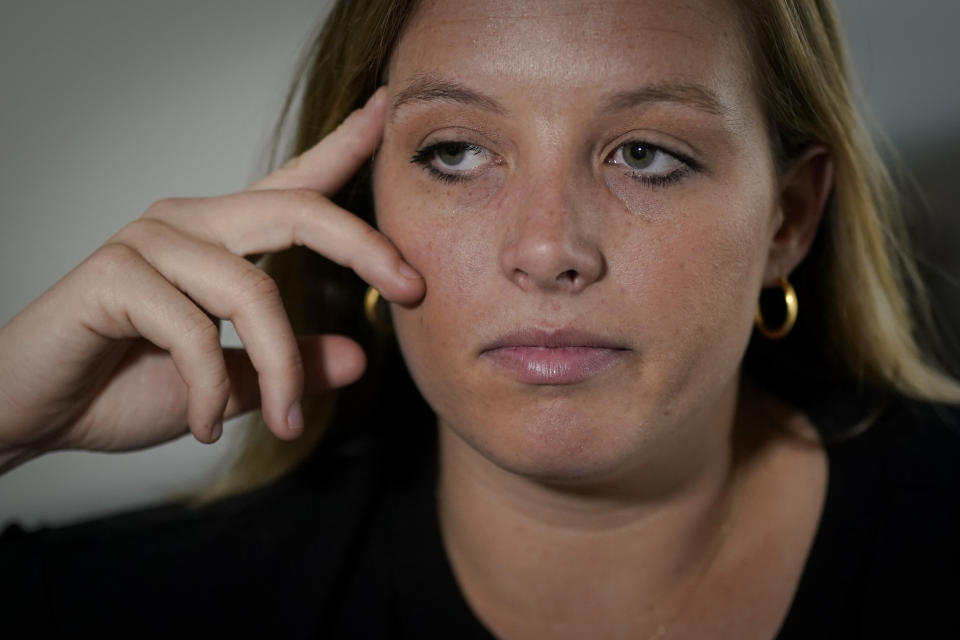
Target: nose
x: 550, y: 245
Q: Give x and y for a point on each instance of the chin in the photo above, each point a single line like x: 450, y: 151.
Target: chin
x: 561, y: 443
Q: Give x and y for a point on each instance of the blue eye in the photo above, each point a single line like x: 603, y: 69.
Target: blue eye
x: 451, y: 161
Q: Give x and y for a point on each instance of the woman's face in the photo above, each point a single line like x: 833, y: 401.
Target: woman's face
x: 589, y: 193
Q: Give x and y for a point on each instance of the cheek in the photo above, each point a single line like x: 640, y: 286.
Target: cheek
x: 453, y: 256
x: 438, y: 228
x: 715, y: 261
x: 440, y: 231
x: 700, y: 279
x: 690, y: 260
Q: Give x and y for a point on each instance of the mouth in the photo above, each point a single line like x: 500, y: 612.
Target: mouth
x: 558, y: 357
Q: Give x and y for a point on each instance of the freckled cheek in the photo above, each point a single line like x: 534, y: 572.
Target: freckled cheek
x: 434, y: 333
x: 453, y: 261
x: 451, y: 257
x: 636, y: 198
x: 698, y: 271
x: 406, y: 194
x: 444, y: 232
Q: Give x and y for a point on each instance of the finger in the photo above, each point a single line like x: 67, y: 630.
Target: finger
x: 329, y: 362
x: 136, y: 300
x: 258, y: 222
x: 230, y: 287
x: 331, y: 162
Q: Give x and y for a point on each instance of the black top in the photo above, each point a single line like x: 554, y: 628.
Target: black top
x: 348, y: 546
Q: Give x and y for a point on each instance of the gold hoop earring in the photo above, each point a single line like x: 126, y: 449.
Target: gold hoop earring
x: 792, y: 308
x: 376, y: 314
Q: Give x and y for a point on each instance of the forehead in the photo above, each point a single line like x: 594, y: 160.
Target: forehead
x: 576, y: 46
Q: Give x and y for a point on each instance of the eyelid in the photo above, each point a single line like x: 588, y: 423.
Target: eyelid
x: 467, y: 133
x: 680, y: 156
x: 681, y: 166
x: 426, y: 154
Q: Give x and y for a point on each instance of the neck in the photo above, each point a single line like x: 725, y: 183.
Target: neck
x: 590, y: 552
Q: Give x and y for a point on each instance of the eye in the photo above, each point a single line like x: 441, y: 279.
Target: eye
x: 452, y: 161
x: 651, y: 164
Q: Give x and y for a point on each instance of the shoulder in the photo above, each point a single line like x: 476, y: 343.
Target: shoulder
x: 906, y: 445
x: 335, y: 475
x: 279, y: 548
x: 890, y: 527
x: 899, y: 474
x: 885, y: 554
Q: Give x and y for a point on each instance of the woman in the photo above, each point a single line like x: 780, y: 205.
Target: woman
x: 577, y: 206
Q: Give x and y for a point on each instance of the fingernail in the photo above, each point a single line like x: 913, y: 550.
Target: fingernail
x: 407, y: 271
x: 216, y: 431
x: 295, y: 418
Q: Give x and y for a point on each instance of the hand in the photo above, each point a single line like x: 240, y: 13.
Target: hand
x: 122, y: 353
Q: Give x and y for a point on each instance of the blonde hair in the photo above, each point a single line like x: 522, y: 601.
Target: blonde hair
x: 866, y: 300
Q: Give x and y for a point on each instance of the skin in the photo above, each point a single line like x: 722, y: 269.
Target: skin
x: 662, y: 492
x: 124, y: 353
x: 562, y: 482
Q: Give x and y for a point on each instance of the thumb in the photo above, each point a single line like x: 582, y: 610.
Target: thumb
x: 329, y: 362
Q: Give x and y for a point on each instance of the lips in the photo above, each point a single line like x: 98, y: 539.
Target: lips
x: 559, y: 357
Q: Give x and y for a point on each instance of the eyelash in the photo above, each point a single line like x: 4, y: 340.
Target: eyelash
x: 425, y: 156
x: 689, y: 166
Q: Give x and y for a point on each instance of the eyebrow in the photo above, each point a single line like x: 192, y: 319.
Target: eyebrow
x: 430, y: 88
x: 683, y: 93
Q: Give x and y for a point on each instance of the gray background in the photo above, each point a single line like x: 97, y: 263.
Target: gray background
x: 107, y: 106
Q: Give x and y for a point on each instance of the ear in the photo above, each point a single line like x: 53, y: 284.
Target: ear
x: 803, y: 191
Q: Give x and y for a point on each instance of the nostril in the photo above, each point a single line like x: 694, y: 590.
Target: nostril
x: 552, y: 262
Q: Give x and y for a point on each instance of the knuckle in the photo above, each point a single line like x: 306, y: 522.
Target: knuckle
x: 199, y: 330
x: 256, y: 287
x: 139, y: 231
x: 371, y: 235
x: 220, y: 386
x: 105, y: 278
x: 163, y: 209
x: 214, y: 386
x: 112, y: 259
x: 306, y: 197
